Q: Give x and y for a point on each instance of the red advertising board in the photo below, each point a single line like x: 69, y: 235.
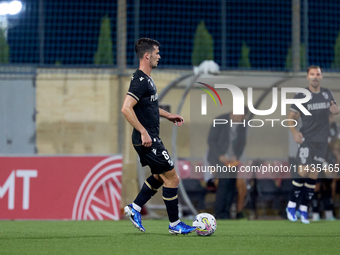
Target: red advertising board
x: 78, y: 188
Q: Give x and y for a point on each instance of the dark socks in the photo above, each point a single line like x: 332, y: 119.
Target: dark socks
x: 150, y: 188
x: 309, y: 191
x: 296, y: 189
x: 170, y: 198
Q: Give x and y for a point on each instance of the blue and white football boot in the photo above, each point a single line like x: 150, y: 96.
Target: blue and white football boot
x: 304, y: 217
x: 181, y: 228
x: 291, y: 214
x: 135, y: 217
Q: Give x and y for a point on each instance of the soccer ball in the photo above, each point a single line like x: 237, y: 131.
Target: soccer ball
x: 205, y: 223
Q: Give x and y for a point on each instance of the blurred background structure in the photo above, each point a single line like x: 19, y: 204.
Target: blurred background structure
x: 246, y: 34
x: 65, y: 67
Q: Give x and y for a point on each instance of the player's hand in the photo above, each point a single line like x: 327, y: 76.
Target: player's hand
x: 146, y: 139
x: 178, y: 120
x: 334, y: 109
x: 233, y: 158
x: 223, y: 159
x: 298, y: 137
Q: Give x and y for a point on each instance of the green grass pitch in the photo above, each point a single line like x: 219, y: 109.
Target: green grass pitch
x: 120, y: 237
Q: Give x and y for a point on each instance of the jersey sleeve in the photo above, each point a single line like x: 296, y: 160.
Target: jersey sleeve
x: 293, y: 107
x: 138, y: 88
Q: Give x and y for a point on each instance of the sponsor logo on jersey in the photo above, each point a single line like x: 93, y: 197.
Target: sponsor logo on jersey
x: 154, y: 97
x: 141, y: 78
x: 318, y: 106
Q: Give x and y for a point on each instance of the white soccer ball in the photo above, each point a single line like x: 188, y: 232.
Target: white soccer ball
x: 205, y: 223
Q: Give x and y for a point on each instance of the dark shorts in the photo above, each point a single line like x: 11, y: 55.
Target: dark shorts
x: 311, y: 153
x: 156, y: 157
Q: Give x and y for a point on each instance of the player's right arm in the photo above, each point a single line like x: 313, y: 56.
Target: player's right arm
x: 298, y: 137
x: 131, y: 117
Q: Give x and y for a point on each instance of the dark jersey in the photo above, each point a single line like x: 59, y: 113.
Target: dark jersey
x: 333, y: 132
x: 143, y: 89
x: 315, y: 127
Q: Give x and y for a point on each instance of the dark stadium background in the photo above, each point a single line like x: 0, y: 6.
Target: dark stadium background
x: 72, y: 29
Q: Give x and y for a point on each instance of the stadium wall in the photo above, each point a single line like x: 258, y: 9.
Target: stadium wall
x: 78, y: 109
x: 78, y: 112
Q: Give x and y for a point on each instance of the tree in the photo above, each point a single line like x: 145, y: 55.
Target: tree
x: 104, y: 54
x: 336, y: 62
x: 303, y: 60
x: 203, y: 45
x: 4, y: 48
x: 244, y: 60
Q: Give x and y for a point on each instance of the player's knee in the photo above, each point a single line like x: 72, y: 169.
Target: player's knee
x: 175, y: 179
x: 171, y: 179
x: 313, y: 175
x: 303, y: 171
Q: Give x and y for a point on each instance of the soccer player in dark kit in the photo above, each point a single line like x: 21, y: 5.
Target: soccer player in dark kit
x: 312, y: 140
x: 141, y: 110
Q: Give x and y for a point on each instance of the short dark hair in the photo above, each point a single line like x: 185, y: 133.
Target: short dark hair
x: 144, y: 45
x: 313, y: 67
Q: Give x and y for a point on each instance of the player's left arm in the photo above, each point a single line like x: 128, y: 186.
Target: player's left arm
x: 178, y: 120
x: 334, y: 108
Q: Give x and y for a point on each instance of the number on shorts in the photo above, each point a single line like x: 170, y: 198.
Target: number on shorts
x: 304, y: 152
x: 166, y: 155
